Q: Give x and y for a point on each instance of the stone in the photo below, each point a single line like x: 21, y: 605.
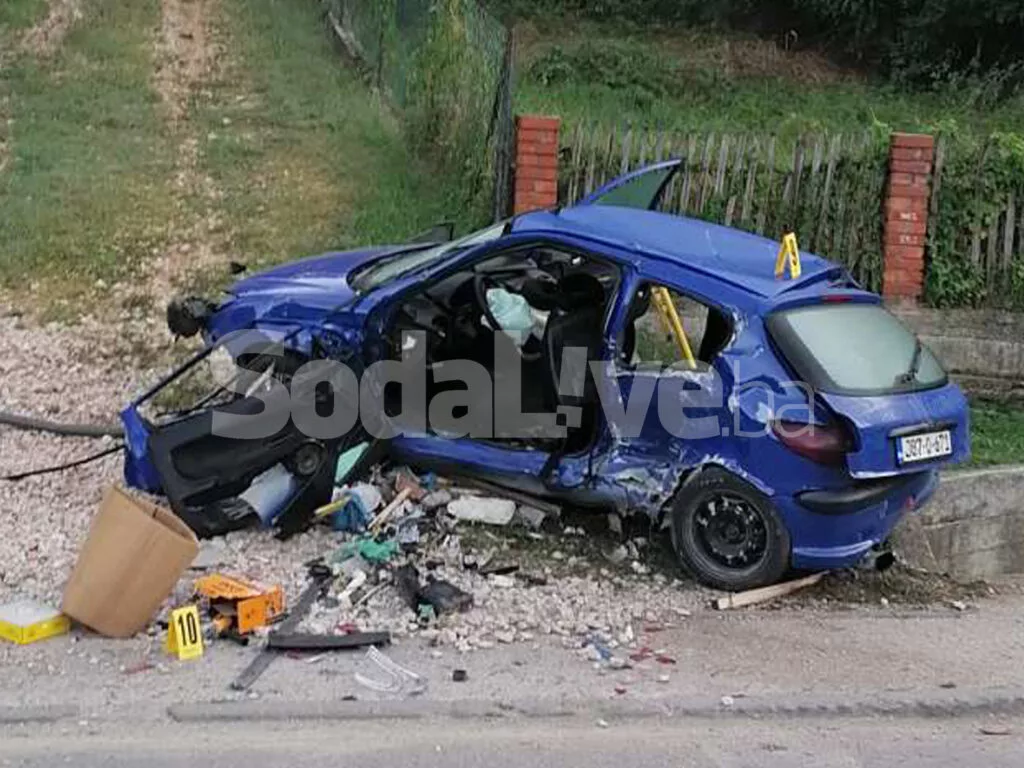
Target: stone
x: 530, y: 517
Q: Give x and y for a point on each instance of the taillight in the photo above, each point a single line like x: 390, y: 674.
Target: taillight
x: 823, y: 444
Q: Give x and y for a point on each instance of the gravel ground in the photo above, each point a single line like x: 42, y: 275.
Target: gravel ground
x: 86, y: 373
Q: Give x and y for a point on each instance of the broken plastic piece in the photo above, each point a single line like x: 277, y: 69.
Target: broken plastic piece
x: 445, y: 597
x: 398, y: 675
x: 250, y: 604
x: 301, y: 641
x: 372, y: 551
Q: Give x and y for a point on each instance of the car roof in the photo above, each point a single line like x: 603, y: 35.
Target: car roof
x: 744, y: 261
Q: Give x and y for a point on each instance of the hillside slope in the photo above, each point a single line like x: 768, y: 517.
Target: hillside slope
x: 145, y: 143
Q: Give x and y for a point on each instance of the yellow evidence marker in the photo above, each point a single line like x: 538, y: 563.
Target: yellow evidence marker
x: 184, y: 635
x: 789, y: 254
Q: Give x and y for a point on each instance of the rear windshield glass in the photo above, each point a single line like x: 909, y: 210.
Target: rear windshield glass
x: 854, y: 349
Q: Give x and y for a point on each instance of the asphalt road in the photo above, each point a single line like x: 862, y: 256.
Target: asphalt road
x: 859, y: 743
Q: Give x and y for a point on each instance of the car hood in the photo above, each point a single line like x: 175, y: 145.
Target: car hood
x: 293, y: 294
x: 313, y: 279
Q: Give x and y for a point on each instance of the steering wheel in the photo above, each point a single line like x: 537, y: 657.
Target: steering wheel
x: 481, y: 284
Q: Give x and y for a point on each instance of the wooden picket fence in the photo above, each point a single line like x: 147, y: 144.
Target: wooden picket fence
x: 976, y: 226
x: 828, y: 187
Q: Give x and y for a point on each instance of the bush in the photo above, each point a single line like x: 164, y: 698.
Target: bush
x: 918, y: 42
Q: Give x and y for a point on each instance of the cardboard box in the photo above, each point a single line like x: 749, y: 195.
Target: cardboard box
x: 135, y: 554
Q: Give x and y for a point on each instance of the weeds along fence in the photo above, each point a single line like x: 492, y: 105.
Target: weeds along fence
x: 829, y: 187
x: 975, y: 244
x: 446, y: 65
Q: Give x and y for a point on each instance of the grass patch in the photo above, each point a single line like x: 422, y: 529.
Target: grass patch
x: 305, y: 158
x: 699, y: 80
x: 85, y: 193
x: 19, y: 14
x: 997, y: 434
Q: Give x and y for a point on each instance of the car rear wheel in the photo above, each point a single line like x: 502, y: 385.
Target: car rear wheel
x: 727, y: 533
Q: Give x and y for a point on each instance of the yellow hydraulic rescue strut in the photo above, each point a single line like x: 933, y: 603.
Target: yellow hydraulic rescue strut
x: 669, y: 316
x: 788, y: 253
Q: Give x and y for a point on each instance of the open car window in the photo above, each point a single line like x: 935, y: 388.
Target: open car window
x: 640, y: 189
x: 648, y: 341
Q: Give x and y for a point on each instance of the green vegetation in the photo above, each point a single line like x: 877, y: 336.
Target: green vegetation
x: 997, y: 434
x: 85, y: 189
x: 288, y: 151
x: 981, y: 174
x: 907, y: 41
x: 305, y: 158
x: 18, y: 14
x: 702, y: 80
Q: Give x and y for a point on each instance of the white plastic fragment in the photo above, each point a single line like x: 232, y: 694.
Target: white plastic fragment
x: 478, y: 509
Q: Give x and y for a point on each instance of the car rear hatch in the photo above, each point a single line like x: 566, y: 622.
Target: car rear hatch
x: 888, y: 389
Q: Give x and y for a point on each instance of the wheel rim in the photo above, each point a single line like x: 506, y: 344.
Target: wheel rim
x: 731, y: 531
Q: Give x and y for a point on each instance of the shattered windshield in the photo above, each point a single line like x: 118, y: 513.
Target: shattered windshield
x: 388, y: 269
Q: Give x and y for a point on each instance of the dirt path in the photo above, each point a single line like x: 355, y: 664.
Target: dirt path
x: 187, y: 56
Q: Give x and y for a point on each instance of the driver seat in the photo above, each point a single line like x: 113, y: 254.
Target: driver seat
x: 576, y: 322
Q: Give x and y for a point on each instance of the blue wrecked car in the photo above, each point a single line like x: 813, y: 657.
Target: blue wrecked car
x: 790, y: 421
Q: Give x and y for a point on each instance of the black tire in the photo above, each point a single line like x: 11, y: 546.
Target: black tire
x: 757, y: 556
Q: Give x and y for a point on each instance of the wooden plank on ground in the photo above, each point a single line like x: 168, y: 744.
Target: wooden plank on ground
x: 764, y: 594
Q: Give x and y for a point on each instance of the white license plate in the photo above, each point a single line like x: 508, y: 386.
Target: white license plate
x: 929, y: 445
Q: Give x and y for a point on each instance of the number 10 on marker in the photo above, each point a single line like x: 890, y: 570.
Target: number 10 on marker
x: 184, y: 636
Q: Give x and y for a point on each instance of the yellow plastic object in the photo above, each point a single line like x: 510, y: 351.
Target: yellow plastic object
x: 789, y: 255
x: 26, y: 622
x: 185, y: 634
x: 663, y: 302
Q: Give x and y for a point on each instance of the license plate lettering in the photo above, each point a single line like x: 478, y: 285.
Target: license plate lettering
x: 929, y: 445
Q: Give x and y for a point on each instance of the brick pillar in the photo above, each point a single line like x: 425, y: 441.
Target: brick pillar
x: 906, y: 216
x: 536, y: 180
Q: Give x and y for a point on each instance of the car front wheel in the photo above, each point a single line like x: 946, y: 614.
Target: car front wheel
x: 727, y: 533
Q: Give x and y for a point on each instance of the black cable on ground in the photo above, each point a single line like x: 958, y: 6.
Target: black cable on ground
x: 70, y: 430
x: 61, y: 467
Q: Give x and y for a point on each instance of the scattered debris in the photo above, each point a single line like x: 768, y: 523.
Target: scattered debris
x: 530, y: 517
x: 445, y: 597
x: 259, y: 665
x: 618, y: 555
x: 398, y: 676
x: 299, y: 641
x: 371, y: 550
x: 958, y: 605
x: 995, y: 730
x: 478, y: 509
x: 390, y: 509
x: 765, y: 594
x: 212, y: 554
x: 240, y: 606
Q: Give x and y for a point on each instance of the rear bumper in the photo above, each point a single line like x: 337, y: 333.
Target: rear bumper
x: 836, y: 529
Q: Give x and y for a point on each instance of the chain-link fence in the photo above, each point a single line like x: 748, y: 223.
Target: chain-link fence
x: 447, y: 66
